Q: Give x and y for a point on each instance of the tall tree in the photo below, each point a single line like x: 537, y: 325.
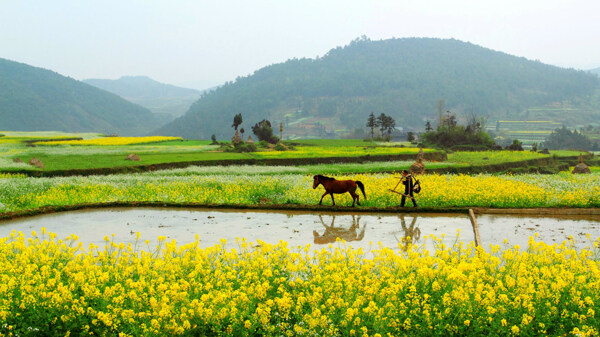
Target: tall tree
x: 440, y: 109
x: 237, y: 120
x: 372, y: 123
x: 390, y: 125
x: 382, y: 122
x: 449, y: 120
x: 475, y: 123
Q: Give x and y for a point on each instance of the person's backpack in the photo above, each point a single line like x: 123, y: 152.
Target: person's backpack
x: 417, y: 187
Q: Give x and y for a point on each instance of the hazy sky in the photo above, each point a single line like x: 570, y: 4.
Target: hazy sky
x: 200, y: 44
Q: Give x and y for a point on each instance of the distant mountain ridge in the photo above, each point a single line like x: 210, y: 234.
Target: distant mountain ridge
x: 403, y: 78
x: 36, y: 99
x: 156, y: 96
x: 595, y: 71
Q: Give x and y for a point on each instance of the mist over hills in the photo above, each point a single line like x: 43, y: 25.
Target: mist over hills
x: 158, y: 97
x: 403, y: 78
x: 595, y: 71
x: 36, y: 99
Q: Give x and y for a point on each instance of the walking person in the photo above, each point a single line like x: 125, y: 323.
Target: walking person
x: 407, y: 181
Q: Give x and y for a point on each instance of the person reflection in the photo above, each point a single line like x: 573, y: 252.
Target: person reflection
x: 411, y: 234
x: 332, y: 233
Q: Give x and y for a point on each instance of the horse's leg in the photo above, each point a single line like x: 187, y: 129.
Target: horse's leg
x: 332, y: 200
x: 324, y: 194
x: 354, y: 196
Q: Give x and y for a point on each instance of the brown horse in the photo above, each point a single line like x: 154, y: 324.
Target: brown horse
x: 339, y: 186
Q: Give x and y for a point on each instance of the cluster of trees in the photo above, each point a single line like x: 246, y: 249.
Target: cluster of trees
x: 565, y: 139
x: 262, y: 130
x: 383, y: 122
x: 449, y: 134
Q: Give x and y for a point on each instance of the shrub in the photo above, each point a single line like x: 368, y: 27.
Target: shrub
x: 240, y: 147
x: 246, y: 147
x: 456, y: 136
x: 515, y: 146
x: 264, y: 131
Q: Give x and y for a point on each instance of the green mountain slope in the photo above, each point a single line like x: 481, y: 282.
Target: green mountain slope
x: 403, y: 78
x: 158, y: 97
x: 595, y: 71
x: 36, y: 99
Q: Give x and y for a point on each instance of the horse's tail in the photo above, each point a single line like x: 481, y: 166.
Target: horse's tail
x: 362, y: 188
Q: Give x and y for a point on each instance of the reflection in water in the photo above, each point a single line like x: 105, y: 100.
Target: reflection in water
x: 332, y: 233
x: 296, y: 228
x: 410, y: 235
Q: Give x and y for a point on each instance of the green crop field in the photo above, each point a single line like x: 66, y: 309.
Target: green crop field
x: 71, y: 156
x: 58, y: 157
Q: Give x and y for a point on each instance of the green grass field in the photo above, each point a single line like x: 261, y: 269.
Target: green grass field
x: 345, y: 142
x: 70, y: 157
x: 74, y: 157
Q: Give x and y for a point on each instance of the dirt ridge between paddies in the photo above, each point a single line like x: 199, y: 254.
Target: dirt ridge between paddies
x: 304, y: 208
x: 432, y: 156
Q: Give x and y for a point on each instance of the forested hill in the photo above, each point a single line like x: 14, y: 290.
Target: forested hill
x: 403, y: 78
x: 156, y: 96
x: 596, y: 71
x: 36, y: 99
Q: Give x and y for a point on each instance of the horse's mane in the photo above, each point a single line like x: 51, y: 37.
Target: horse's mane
x: 324, y: 177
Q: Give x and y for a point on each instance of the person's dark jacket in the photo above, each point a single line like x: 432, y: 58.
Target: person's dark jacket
x: 408, y: 185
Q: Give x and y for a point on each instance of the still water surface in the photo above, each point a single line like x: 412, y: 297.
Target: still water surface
x: 301, y: 228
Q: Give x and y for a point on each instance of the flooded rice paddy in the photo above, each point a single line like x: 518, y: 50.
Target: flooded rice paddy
x: 364, y: 230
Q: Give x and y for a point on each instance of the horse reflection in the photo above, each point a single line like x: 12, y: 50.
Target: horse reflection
x: 332, y: 233
x: 411, y: 234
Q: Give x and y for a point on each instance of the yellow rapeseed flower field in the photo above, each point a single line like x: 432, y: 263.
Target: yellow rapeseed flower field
x: 59, y: 287
x: 445, y: 190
